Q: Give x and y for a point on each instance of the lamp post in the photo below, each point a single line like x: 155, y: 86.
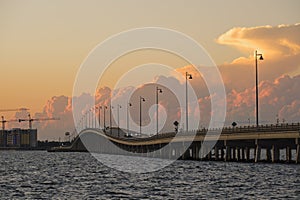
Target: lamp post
x: 86, y: 119
x: 256, y: 85
x: 95, y: 118
x: 187, y: 76
x: 89, y: 119
x: 128, y: 106
x: 158, y: 90
x: 99, y: 115
x: 105, y: 107
x: 118, y: 116
x: 141, y: 99
x: 110, y: 122
x: 92, y: 112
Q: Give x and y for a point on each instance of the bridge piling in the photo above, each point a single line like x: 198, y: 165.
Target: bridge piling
x: 222, y: 154
x: 275, y: 153
x: 228, y: 153
x: 268, y: 154
x: 216, y: 149
x: 238, y: 154
x: 257, y: 153
x: 243, y: 154
x: 247, y: 154
x: 298, y: 154
x: 288, y: 154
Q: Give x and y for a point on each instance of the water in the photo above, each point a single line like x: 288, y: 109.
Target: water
x: 43, y: 175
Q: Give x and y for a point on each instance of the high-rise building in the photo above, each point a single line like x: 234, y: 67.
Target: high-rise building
x: 18, y: 138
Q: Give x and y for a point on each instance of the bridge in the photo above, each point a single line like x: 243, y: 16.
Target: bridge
x: 265, y: 143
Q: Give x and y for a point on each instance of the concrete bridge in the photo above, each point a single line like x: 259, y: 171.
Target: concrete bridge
x: 268, y: 143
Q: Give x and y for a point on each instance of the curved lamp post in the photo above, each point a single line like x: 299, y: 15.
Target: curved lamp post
x: 256, y: 85
x: 128, y: 106
x: 187, y: 76
x: 118, y: 112
x: 141, y: 100
x: 158, y: 90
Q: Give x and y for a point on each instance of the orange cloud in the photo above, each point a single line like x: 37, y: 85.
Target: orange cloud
x: 280, y: 46
x: 280, y: 40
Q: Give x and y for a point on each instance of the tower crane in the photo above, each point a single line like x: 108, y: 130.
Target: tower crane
x: 3, y: 121
x: 30, y: 120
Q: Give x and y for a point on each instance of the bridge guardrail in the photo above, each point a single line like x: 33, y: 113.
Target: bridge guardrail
x: 225, y: 130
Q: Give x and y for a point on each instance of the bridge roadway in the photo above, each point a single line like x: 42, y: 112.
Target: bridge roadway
x: 269, y: 143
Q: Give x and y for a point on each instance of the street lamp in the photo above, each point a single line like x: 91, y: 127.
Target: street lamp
x: 92, y: 118
x: 89, y: 118
x: 141, y: 99
x: 95, y: 118
x: 256, y: 73
x: 110, y: 122
x: 128, y: 106
x: 158, y: 90
x: 187, y: 76
x: 86, y: 119
x: 118, y: 116
x: 105, y: 107
x: 99, y: 108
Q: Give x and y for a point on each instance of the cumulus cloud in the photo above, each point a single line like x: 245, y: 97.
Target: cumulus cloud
x: 279, y: 97
x: 282, y: 40
x: 280, y: 46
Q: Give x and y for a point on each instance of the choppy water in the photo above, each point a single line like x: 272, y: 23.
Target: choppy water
x: 43, y: 175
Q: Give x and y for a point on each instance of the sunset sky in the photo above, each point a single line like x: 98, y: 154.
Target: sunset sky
x: 43, y: 44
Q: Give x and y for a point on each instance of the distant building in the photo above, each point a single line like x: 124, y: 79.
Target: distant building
x: 18, y: 138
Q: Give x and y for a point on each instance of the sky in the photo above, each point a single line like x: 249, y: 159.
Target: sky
x: 43, y: 44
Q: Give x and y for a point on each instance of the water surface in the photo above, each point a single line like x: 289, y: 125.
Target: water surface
x: 43, y: 175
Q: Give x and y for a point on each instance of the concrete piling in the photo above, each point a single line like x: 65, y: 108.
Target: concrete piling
x: 268, y: 155
x: 298, y: 154
x: 257, y: 153
x: 275, y: 154
x: 288, y: 154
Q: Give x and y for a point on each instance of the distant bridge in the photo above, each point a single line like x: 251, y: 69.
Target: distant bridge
x: 269, y: 143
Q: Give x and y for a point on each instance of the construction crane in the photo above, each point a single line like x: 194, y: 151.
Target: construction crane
x: 30, y: 120
x: 3, y: 121
x: 17, y: 109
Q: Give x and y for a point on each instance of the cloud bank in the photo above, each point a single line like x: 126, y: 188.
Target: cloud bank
x: 278, y: 89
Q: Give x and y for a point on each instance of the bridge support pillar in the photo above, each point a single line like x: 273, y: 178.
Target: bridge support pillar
x: 275, y: 154
x: 216, y: 153
x: 298, y: 154
x: 238, y: 156
x: 182, y: 152
x: 268, y: 155
x: 209, y: 155
x: 193, y: 152
x: 228, y: 154
x: 257, y: 153
x: 222, y: 154
x: 170, y: 153
x: 186, y: 153
x: 233, y: 153
x: 197, y: 152
x: 243, y: 153
x: 288, y: 154
x: 247, y: 153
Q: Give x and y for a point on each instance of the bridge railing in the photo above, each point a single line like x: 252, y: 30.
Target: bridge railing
x: 226, y: 130
x: 248, y: 129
